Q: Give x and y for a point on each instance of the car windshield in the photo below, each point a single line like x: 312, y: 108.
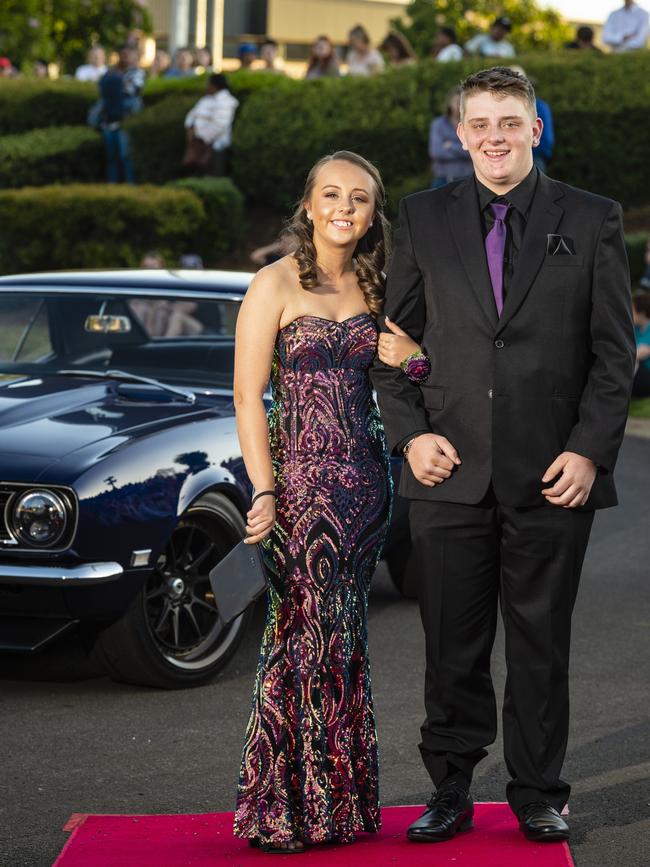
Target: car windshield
x: 187, y: 340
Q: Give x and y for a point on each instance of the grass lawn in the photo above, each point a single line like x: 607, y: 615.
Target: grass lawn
x: 640, y: 407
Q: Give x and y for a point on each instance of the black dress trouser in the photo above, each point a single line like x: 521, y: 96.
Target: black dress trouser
x: 468, y: 558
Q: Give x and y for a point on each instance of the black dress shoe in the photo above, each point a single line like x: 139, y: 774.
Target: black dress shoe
x: 542, y: 823
x: 449, y: 811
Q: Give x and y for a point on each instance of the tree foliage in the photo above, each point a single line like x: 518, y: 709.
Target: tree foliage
x: 532, y: 26
x: 62, y: 31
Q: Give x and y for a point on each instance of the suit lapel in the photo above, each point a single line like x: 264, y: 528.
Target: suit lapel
x: 543, y: 220
x: 465, y: 222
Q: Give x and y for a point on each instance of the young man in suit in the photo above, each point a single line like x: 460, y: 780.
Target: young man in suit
x: 517, y: 287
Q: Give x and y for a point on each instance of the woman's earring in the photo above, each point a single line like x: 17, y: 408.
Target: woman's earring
x: 308, y: 216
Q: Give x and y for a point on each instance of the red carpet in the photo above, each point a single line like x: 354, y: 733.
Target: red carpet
x: 206, y: 840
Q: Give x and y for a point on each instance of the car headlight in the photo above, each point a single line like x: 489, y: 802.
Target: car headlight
x: 39, y: 518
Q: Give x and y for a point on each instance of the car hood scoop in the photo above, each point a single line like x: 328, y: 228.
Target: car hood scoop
x: 53, y: 416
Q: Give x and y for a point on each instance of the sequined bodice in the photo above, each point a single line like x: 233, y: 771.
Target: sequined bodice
x: 322, y: 396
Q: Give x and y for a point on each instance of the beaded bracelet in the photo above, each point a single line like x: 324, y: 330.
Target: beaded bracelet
x: 417, y: 366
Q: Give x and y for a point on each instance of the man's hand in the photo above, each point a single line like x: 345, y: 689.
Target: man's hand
x: 576, y: 477
x: 432, y: 458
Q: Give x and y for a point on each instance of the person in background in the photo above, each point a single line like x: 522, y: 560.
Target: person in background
x: 202, y: 60
x: 94, y: 67
x: 269, y: 56
x: 134, y: 79
x: 449, y: 160
x: 584, y: 40
x: 7, y: 69
x: 362, y: 58
x: 209, y: 127
x: 182, y: 65
x: 641, y: 314
x: 493, y: 43
x: 40, y: 68
x: 446, y: 46
x: 323, y: 60
x: 247, y: 54
x: 152, y: 259
x: 120, y: 97
x: 160, y: 64
x: 398, y: 50
x: 626, y: 28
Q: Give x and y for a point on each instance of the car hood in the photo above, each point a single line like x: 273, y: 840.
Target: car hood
x: 44, y: 419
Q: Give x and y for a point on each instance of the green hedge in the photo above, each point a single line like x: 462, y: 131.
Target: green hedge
x: 223, y: 226
x: 54, y: 155
x: 31, y: 104
x: 600, y: 104
x: 158, y: 139
x: 98, y: 226
x: 26, y: 105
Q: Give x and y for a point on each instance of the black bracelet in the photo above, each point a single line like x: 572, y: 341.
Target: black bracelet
x: 262, y: 494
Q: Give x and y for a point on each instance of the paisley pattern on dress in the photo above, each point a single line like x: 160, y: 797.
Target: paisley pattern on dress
x: 309, y: 766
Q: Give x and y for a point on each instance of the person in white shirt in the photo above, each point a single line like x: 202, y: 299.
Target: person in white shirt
x: 446, y: 47
x: 209, y: 122
x: 493, y: 43
x: 95, y: 67
x: 362, y: 58
x: 627, y: 28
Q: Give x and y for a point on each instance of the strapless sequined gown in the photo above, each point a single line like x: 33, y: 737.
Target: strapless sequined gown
x: 309, y: 766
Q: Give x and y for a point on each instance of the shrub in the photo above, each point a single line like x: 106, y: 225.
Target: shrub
x: 46, y: 156
x: 26, y: 104
x: 158, y: 138
x: 223, y: 226
x: 600, y: 105
x: 94, y: 225
x: 242, y: 83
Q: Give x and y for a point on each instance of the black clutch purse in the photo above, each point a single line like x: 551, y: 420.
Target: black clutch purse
x: 238, y: 580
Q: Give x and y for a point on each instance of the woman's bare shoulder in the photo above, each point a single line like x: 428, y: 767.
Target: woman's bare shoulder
x: 280, y: 277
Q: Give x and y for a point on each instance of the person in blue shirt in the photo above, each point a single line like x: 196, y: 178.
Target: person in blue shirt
x: 119, y: 91
x: 641, y: 313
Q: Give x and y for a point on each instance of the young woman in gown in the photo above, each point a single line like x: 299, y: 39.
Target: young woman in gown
x: 320, y: 470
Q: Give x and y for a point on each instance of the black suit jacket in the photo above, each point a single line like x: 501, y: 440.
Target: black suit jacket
x: 552, y: 374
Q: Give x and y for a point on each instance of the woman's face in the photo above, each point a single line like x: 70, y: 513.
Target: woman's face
x: 322, y: 49
x: 342, y: 203
x: 358, y: 44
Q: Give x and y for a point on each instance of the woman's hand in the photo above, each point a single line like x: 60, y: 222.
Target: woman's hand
x: 393, y: 348
x: 260, y: 519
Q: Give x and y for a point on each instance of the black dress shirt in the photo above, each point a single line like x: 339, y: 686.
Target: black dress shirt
x: 520, y: 198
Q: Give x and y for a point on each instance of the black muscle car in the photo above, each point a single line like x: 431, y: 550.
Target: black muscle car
x: 121, y: 479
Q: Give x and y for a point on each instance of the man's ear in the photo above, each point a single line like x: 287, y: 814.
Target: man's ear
x: 460, y: 132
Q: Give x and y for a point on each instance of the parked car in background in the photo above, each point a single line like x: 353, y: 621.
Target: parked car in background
x: 121, y: 479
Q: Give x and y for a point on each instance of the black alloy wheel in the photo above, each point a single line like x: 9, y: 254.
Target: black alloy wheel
x: 171, y: 635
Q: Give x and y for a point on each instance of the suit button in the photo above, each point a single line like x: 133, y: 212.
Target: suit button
x: 490, y: 393
x: 499, y: 344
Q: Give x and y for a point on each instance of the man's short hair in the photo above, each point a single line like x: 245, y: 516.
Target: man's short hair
x: 585, y: 33
x: 502, y: 81
x: 450, y: 33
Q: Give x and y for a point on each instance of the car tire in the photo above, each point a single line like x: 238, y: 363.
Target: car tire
x: 168, y: 637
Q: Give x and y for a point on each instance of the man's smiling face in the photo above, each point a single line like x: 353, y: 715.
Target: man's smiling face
x: 499, y: 133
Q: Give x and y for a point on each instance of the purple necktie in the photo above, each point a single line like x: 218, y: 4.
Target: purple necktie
x: 495, y: 245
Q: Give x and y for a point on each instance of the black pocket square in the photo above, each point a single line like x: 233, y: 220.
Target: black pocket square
x: 559, y: 245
